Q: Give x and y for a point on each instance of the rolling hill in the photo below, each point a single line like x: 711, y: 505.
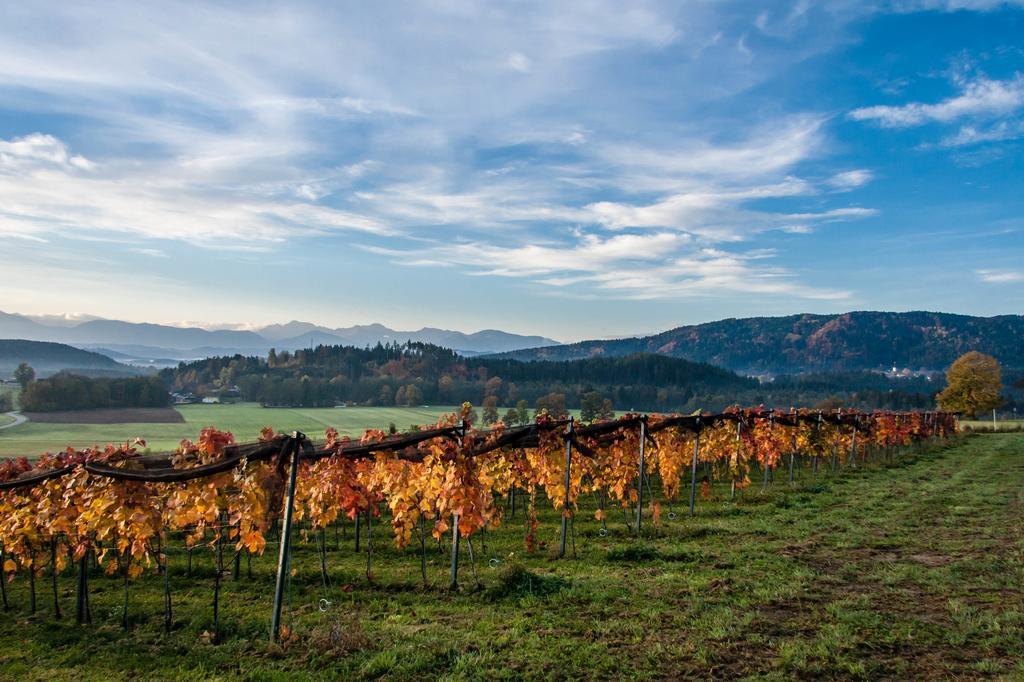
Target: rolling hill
x: 802, y: 343
x: 49, y: 358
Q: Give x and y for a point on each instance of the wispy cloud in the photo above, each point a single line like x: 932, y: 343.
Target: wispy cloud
x: 972, y: 135
x: 46, y: 190
x: 980, y: 97
x: 590, y: 148
x: 850, y: 180
x: 953, y: 5
x: 1001, y: 276
x: 625, y: 267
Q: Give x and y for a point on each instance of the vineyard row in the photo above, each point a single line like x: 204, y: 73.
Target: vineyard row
x: 118, y: 506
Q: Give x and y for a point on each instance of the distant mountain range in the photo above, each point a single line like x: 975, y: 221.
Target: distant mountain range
x: 156, y: 344
x: 49, y: 358
x: 803, y: 343
x: 756, y: 346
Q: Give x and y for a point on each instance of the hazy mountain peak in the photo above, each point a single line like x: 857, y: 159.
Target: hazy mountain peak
x: 152, y: 340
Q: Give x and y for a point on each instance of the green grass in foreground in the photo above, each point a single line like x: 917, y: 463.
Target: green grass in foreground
x: 904, y: 572
x: 244, y: 420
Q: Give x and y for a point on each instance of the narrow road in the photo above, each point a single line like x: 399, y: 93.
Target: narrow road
x: 18, y: 419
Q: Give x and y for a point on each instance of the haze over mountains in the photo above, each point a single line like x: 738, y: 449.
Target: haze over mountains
x: 814, y: 343
x: 128, y: 341
x: 755, y: 346
x: 49, y: 358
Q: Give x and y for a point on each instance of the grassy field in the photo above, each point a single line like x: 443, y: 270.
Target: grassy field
x: 986, y: 425
x: 244, y: 420
x: 911, y: 571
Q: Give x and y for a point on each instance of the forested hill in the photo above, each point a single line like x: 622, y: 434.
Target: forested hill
x: 800, y: 343
x: 48, y: 358
x: 417, y: 373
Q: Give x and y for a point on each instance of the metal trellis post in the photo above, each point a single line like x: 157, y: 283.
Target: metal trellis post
x: 640, y: 486
x: 453, y: 582
x: 286, y: 536
x: 568, y: 481
x: 732, y: 486
x: 693, y: 470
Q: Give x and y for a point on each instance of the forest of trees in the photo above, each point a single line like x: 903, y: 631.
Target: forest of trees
x: 417, y: 374
x: 65, y: 391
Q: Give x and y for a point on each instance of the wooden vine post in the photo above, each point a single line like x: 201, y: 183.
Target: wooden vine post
x: 569, y: 430
x: 284, y: 555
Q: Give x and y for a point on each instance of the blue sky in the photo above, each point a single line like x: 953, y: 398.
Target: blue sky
x: 511, y: 165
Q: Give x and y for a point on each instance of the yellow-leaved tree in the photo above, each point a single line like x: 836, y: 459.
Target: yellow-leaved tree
x: 973, y: 384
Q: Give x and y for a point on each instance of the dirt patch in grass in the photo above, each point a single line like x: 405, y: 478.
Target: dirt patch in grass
x: 127, y: 415
x: 931, y: 559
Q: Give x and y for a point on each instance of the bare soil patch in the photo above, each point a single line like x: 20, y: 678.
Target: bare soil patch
x: 127, y: 415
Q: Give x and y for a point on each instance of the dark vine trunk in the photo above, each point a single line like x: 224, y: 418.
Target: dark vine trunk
x: 53, y: 576
x: 82, y: 612
x: 32, y: 584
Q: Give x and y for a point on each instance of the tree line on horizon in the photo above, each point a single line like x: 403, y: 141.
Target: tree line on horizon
x: 416, y: 374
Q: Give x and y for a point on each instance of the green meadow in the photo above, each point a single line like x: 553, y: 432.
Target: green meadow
x: 244, y: 420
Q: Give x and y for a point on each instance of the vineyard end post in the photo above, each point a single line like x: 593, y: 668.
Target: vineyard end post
x: 568, y: 481
x: 453, y: 581
x: 293, y: 449
x: 792, y: 453
x: 732, y: 473
x: 640, y: 486
x: 693, y: 470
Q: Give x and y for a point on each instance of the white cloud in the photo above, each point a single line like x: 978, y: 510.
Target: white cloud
x: 39, y: 148
x: 152, y: 253
x: 662, y: 265
x: 981, y: 97
x: 850, y: 180
x: 221, y: 126
x: 46, y: 190
x: 954, y: 5
x: 517, y: 61
x: 971, y: 135
x: 1001, y: 276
